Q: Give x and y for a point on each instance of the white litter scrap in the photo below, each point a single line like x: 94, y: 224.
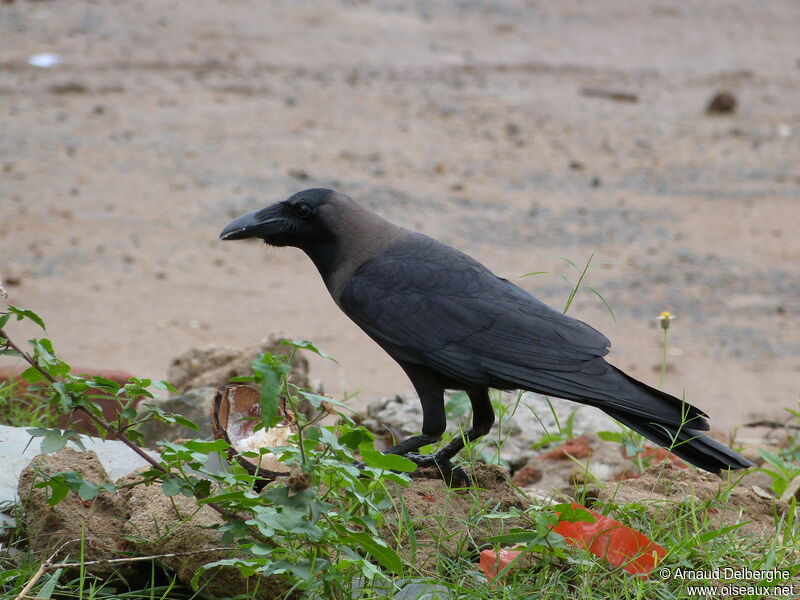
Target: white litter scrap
x: 45, y: 60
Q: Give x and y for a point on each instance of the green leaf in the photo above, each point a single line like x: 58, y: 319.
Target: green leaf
x: 578, y: 283
x: 104, y: 384
x: 158, y: 413
x: 306, y: 345
x: 24, y: 313
x: 46, y: 358
x: 245, y: 500
x: 87, y: 490
x: 260, y: 549
x: 188, y: 423
x: 58, y: 489
x: 53, y: 442
x: 246, y: 567
x: 773, y: 459
x: 49, y: 586
x: 303, y: 570
x: 128, y: 413
x: 603, y: 300
x: 270, y: 400
x: 55, y: 439
x: 569, y: 262
x: 389, y: 462
x: 162, y: 384
x: 270, y: 371
x: 566, y: 512
x: 61, y: 483
x: 704, y: 538
x: 201, y: 488
x: 32, y: 375
x: 377, y: 549
x: 531, y: 273
x: 171, y: 451
x: 355, y: 437
x: 288, y: 520
x: 611, y: 436
x: 61, y: 390
x: 9, y: 351
x: 279, y: 494
x: 172, y: 487
x: 526, y: 536
x: 316, y: 400
x: 135, y: 436
x: 207, y: 447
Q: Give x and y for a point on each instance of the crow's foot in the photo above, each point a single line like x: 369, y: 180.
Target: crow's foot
x: 422, y: 460
x: 432, y: 466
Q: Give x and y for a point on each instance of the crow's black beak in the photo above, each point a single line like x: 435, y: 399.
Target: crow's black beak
x: 259, y: 223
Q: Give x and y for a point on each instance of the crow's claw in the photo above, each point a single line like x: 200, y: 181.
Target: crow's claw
x: 454, y: 476
x: 457, y: 477
x: 421, y: 460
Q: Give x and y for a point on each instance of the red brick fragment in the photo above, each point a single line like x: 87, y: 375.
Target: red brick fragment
x: 527, y: 475
x: 578, y: 447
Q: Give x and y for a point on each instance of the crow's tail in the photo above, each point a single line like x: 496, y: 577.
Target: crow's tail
x: 691, y: 445
x: 660, y: 417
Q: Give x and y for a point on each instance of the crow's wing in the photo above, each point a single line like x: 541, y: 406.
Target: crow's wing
x: 436, y: 306
x: 429, y: 304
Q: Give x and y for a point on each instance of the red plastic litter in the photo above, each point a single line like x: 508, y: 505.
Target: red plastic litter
x: 609, y: 539
x: 493, y: 561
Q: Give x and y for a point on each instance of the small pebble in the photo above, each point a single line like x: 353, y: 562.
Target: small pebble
x: 722, y: 103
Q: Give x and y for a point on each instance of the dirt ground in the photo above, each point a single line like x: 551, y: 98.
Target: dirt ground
x: 468, y: 120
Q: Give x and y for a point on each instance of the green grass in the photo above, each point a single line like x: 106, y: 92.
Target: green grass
x: 23, y: 406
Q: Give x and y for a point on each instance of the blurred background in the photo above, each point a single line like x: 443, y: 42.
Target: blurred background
x: 664, y: 137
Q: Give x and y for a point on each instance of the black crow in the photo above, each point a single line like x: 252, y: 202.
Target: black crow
x: 452, y: 324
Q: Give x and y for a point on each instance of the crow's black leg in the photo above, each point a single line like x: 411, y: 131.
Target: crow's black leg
x: 413, y: 444
x: 431, y: 396
x: 482, y: 421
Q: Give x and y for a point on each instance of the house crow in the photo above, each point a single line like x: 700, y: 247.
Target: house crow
x: 451, y: 323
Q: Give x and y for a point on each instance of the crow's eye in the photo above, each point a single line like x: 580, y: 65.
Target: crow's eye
x: 302, y: 210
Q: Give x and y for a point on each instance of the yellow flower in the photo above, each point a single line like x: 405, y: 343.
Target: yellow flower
x: 665, y: 317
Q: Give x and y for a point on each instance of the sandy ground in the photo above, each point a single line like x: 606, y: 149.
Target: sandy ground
x: 466, y: 120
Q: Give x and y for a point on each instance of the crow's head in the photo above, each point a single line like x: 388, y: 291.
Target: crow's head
x: 306, y: 218
x: 330, y: 227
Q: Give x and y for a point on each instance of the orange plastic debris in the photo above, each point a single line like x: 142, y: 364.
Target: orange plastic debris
x: 609, y: 539
x: 493, y: 561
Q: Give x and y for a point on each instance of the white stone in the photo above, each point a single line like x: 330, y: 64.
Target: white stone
x: 17, y: 448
